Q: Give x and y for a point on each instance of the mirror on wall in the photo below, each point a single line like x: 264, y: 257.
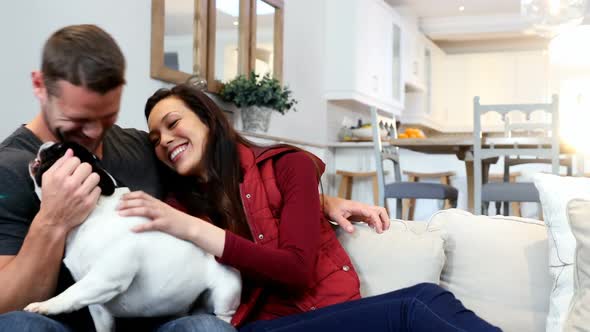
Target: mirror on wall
x: 179, y: 39
x: 267, y: 44
x: 213, y: 41
x: 264, y: 52
x: 227, y: 35
x: 178, y: 35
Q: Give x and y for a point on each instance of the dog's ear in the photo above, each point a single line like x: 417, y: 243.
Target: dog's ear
x: 48, y: 154
x: 107, y: 183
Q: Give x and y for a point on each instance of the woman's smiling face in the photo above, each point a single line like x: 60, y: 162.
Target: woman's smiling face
x: 178, y: 135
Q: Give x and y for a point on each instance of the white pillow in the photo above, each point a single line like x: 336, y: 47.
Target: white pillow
x: 401, y: 257
x: 497, y: 267
x: 555, y: 192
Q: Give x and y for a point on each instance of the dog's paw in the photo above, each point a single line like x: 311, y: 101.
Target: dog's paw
x: 225, y: 317
x: 43, y: 308
x: 36, y: 307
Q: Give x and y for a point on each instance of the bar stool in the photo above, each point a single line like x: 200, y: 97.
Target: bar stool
x: 410, y: 204
x: 345, y: 189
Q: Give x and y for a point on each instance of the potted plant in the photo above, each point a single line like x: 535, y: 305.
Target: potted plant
x: 257, y: 97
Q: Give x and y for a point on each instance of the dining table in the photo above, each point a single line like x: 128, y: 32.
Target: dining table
x: 462, y: 147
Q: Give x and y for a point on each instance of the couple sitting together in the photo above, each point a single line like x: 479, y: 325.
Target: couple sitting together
x: 256, y: 209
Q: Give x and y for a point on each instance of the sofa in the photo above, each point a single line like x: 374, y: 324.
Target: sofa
x: 519, y: 274
x: 497, y: 266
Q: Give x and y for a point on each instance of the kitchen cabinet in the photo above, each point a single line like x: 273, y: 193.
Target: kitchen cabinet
x: 363, y: 46
x: 415, y: 53
x: 421, y: 99
x: 498, y: 78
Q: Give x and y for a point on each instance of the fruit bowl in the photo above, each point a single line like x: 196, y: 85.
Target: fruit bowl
x: 366, y: 132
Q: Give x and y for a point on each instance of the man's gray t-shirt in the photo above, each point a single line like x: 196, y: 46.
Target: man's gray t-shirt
x: 127, y: 155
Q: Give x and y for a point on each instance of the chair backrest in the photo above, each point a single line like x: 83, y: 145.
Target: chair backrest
x: 383, y: 150
x: 544, y: 143
x: 530, y: 129
x: 526, y: 129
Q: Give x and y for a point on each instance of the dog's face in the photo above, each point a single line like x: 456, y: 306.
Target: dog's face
x: 50, y: 152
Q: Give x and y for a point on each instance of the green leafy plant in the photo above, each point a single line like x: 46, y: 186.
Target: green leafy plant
x: 252, y: 91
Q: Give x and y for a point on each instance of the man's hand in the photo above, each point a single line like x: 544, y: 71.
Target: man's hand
x: 343, y: 211
x: 69, y: 192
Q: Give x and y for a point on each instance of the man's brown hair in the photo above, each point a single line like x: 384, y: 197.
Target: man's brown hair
x: 83, y: 55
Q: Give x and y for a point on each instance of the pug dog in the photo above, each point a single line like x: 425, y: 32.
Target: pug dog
x: 120, y: 273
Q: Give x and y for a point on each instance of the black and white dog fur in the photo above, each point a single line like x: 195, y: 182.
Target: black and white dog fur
x: 120, y: 273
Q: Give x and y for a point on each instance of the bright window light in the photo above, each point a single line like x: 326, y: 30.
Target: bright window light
x: 571, y: 49
x: 554, y: 6
x: 569, y: 55
x: 232, y: 7
x: 574, y: 113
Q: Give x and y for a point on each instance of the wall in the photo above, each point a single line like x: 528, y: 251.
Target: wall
x: 497, y: 77
x: 25, y: 25
x: 303, y: 72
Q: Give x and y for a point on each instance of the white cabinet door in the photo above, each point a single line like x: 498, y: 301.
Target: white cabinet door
x: 380, y: 46
x: 360, y: 53
x: 439, y: 87
x: 394, y: 86
x: 370, y: 60
x: 414, y: 53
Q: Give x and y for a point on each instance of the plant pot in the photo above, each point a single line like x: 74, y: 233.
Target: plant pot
x: 255, y: 118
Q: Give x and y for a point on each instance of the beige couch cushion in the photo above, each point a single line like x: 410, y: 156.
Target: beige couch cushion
x: 497, y: 266
x: 403, y: 256
x: 578, y: 318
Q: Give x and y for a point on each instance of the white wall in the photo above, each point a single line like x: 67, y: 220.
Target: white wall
x: 25, y: 25
x: 498, y: 78
x: 303, y: 64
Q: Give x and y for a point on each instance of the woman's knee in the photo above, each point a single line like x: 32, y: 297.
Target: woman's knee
x: 426, y: 292
x: 27, y: 321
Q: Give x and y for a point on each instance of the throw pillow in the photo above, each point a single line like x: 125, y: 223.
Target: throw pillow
x: 578, y: 318
x: 497, y: 267
x: 555, y: 192
x: 401, y: 257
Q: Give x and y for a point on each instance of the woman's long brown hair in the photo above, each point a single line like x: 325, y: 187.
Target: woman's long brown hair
x: 216, y: 196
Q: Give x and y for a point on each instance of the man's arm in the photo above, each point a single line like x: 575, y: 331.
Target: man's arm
x: 31, y: 275
x: 344, y: 211
x: 69, y: 193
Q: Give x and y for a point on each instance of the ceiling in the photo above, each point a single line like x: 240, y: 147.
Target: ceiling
x: 482, y: 25
x: 447, y: 8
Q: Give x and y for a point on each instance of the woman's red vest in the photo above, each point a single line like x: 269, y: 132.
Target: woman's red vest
x: 335, y: 279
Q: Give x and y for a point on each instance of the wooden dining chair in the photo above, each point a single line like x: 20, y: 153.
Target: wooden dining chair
x: 410, y: 204
x: 399, y: 189
x: 516, y: 150
x: 514, y: 206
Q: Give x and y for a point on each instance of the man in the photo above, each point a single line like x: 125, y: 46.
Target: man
x: 79, y: 89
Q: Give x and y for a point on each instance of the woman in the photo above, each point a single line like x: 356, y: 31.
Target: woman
x: 258, y: 209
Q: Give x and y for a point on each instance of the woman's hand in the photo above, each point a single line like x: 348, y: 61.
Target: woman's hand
x: 344, y: 211
x: 164, y: 217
